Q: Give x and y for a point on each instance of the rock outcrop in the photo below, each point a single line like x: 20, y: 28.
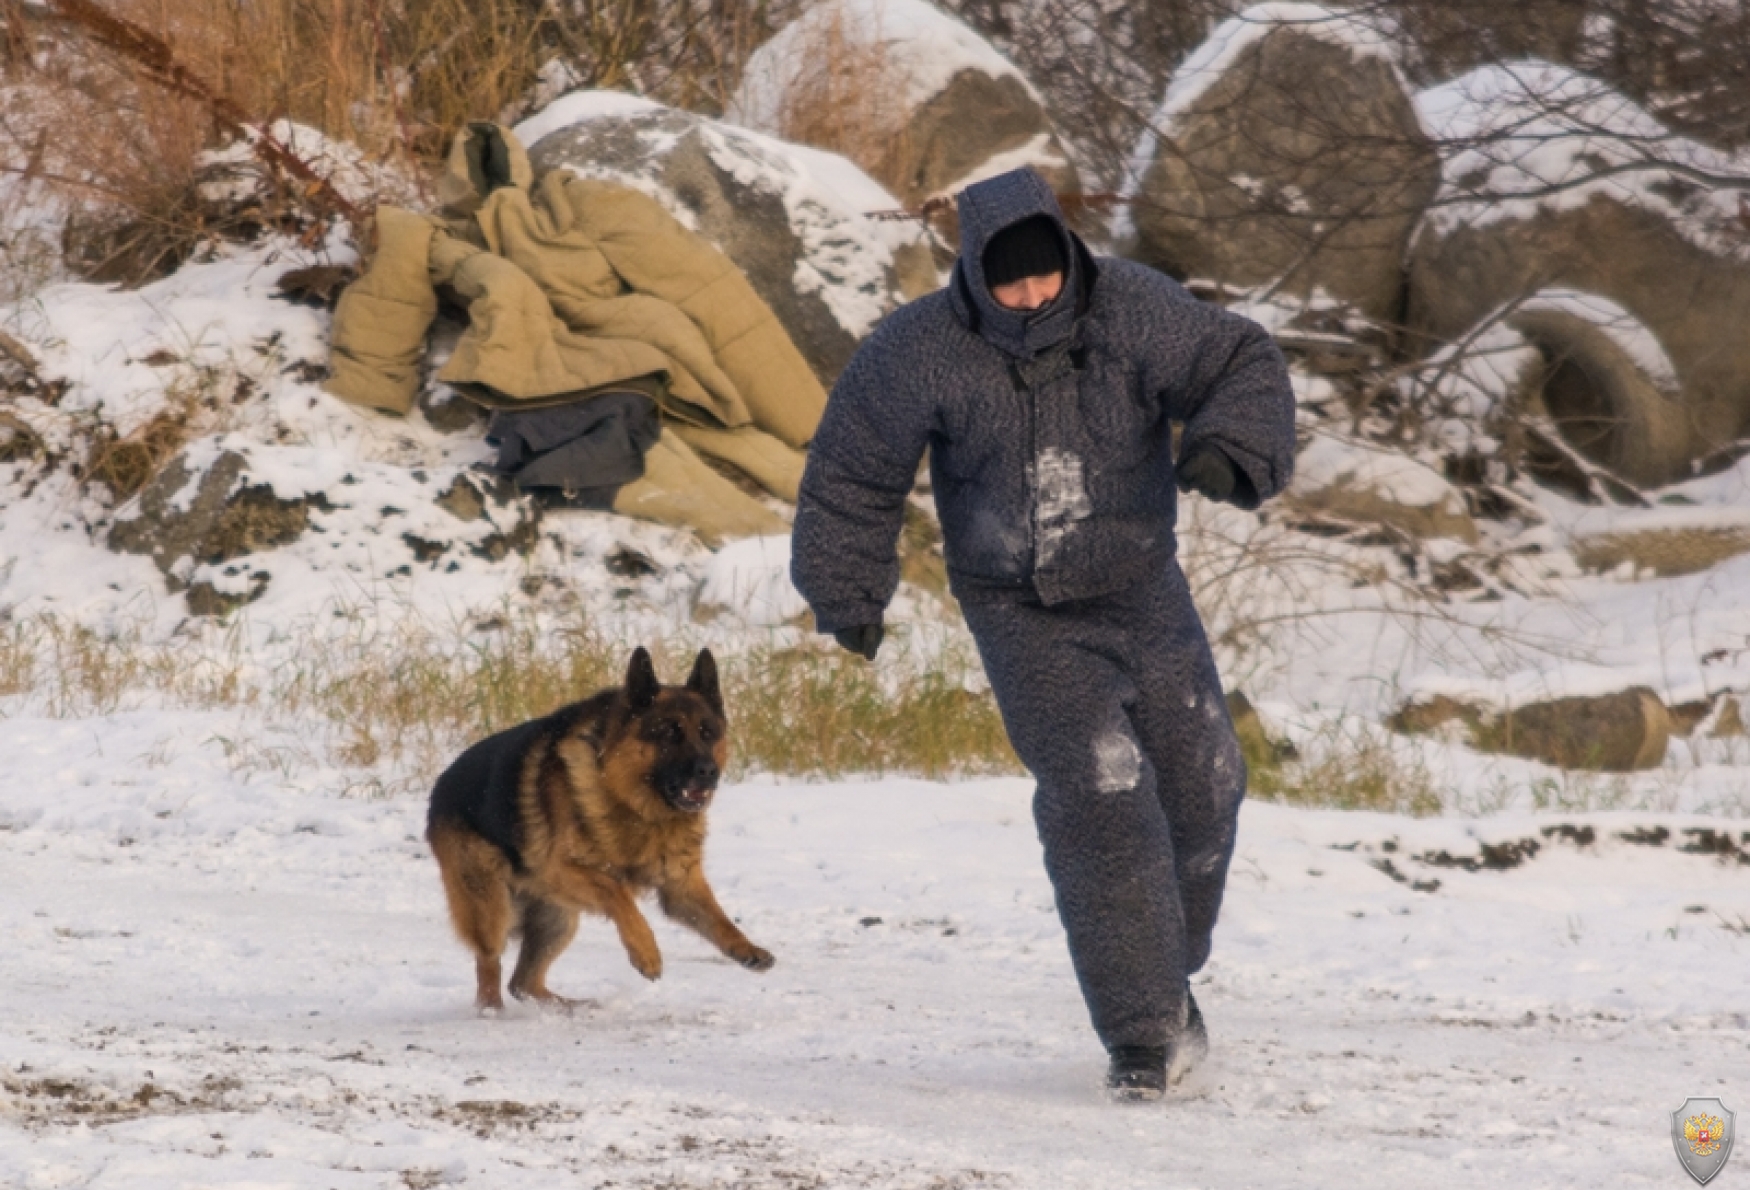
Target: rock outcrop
x: 912, y: 95
x: 794, y: 219
x: 213, y: 518
x: 1552, y: 181
x: 195, y: 515
x: 1286, y: 155
x: 1617, y: 733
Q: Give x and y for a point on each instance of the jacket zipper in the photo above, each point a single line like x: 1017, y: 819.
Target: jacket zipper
x: 1030, y: 468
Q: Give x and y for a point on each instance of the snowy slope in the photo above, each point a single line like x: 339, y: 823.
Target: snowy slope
x: 220, y: 978
x: 226, y: 961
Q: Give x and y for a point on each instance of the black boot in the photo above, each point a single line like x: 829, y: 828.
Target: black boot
x: 1138, y: 1073
x: 1192, y: 1044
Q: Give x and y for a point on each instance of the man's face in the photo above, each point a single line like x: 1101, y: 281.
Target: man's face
x: 1029, y: 293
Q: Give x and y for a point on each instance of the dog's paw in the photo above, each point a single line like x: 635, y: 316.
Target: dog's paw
x: 754, y: 958
x: 649, y: 968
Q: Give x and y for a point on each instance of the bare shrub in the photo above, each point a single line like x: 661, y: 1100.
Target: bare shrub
x: 129, y: 93
x: 847, y: 95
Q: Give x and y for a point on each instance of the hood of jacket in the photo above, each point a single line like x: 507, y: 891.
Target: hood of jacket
x: 985, y: 209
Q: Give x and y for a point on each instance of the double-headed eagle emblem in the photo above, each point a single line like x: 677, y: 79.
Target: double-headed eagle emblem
x: 1703, y: 1133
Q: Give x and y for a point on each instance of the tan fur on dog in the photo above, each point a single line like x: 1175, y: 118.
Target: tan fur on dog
x: 582, y: 812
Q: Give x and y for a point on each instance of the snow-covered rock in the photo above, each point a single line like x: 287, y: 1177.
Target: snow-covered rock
x: 212, y: 518
x: 1608, y: 385
x: 1576, y: 362
x: 1286, y: 154
x: 1552, y: 180
x: 795, y: 219
x: 1354, y: 481
x: 915, y: 96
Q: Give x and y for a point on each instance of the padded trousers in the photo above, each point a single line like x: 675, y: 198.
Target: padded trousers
x: 1115, y: 707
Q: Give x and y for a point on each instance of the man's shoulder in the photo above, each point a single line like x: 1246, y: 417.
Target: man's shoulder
x: 920, y: 331
x: 928, y: 315
x: 920, y: 326
x: 1137, y: 305
x: 1132, y: 279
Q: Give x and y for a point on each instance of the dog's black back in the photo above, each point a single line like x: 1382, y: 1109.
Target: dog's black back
x: 480, y: 789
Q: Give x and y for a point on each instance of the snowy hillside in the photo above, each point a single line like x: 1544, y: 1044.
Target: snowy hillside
x: 243, y: 625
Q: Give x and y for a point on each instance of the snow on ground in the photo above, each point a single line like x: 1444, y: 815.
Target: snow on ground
x: 232, y: 978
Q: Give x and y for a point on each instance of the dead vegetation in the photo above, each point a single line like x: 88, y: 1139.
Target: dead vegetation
x: 848, y: 96
x: 401, y: 701
x: 111, y: 106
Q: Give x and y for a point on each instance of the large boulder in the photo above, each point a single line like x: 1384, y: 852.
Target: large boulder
x: 1552, y: 181
x: 794, y: 219
x: 1615, y: 733
x: 909, y: 93
x: 1453, y: 36
x: 1286, y: 155
x: 1625, y: 731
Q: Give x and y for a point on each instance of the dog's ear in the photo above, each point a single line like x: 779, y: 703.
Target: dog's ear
x: 703, y: 681
x: 641, y: 684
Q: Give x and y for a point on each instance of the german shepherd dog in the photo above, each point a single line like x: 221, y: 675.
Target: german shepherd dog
x: 580, y: 812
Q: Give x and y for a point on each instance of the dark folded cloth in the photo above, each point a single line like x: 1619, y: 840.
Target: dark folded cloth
x: 587, y: 450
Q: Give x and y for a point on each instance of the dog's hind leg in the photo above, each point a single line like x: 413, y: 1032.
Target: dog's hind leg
x: 477, y: 884
x: 547, y: 929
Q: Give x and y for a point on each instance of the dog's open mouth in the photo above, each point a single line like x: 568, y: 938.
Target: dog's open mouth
x: 692, y: 796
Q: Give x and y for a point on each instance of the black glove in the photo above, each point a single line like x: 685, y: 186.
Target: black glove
x: 863, y: 640
x: 1209, y: 473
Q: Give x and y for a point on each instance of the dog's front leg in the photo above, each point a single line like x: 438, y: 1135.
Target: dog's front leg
x: 690, y: 901
x: 635, y: 933
x: 598, y: 892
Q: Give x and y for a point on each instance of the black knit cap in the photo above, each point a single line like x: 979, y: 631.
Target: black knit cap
x: 1031, y: 248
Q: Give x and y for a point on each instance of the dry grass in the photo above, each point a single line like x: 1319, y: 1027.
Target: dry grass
x: 1351, y: 766
x: 117, y: 130
x: 847, y: 96
x: 1665, y: 552
x: 400, y: 702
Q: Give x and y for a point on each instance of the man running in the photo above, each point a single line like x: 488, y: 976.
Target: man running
x: 1045, y: 382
